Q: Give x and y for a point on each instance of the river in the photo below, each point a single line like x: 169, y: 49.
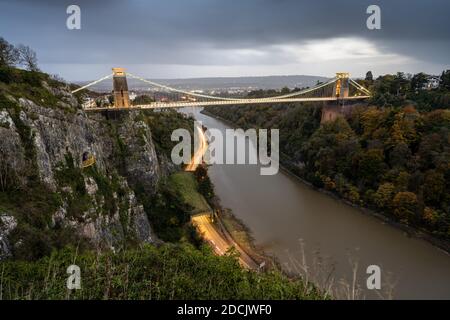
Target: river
x: 302, y: 227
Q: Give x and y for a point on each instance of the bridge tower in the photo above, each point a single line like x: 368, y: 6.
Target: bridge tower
x: 120, y: 88
x: 341, y: 86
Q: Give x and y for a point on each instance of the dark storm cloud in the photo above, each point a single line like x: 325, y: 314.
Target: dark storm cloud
x: 193, y: 32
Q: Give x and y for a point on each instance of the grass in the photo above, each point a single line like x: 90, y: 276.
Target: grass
x: 30, y: 85
x: 166, y: 272
x: 186, y: 185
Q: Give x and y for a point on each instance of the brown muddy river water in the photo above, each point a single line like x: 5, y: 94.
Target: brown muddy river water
x: 302, y: 228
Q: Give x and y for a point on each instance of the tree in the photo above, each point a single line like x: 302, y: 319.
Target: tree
x: 205, y: 186
x: 430, y: 216
x: 285, y: 90
x: 384, y: 194
x: 111, y: 99
x: 9, y: 55
x: 405, y: 205
x: 401, y: 84
x: 371, y: 165
x: 400, y: 155
x: 445, y: 80
x: 143, y: 99
x: 27, y: 57
x: 418, y: 81
x: 369, y: 76
x: 433, y: 187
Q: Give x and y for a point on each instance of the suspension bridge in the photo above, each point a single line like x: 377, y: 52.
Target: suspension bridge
x: 341, y: 88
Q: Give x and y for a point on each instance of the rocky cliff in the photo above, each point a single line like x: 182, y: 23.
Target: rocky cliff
x: 47, y: 196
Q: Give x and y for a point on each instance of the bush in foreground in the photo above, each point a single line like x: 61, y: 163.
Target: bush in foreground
x: 167, y: 272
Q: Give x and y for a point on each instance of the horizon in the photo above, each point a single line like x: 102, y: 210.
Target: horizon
x: 227, y: 77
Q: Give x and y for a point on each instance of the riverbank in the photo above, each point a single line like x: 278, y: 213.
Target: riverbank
x: 236, y: 231
x: 441, y: 244
x: 410, y: 231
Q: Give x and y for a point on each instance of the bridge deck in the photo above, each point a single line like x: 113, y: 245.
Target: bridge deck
x: 183, y: 104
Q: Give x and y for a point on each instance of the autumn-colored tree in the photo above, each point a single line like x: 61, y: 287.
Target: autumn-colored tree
x: 384, y: 194
x: 353, y: 195
x: 430, y: 216
x: 371, y: 119
x: 405, y: 206
x: 328, y: 183
x: 402, y: 181
x: 404, y: 129
x: 433, y: 187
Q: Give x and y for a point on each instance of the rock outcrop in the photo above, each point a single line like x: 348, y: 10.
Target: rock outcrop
x: 7, y: 224
x: 53, y: 139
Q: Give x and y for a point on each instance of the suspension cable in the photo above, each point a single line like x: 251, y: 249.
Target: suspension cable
x: 92, y: 83
x: 230, y: 99
x: 180, y: 91
x: 303, y: 91
x: 360, y: 87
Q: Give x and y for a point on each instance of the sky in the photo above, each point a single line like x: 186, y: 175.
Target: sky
x: 217, y: 38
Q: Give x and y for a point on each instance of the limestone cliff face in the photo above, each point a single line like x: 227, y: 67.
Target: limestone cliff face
x: 51, y: 141
x: 142, y: 167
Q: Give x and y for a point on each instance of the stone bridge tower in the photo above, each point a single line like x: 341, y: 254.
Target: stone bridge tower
x: 120, y: 88
x: 341, y: 86
x: 340, y: 90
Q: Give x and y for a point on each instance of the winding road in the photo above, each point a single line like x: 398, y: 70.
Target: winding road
x: 221, y: 241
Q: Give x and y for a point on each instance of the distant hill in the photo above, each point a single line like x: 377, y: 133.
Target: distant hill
x: 222, y: 83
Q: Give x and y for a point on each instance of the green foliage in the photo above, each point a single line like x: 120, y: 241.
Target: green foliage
x: 205, y: 186
x: 445, y: 80
x: 384, y: 195
x: 143, y: 99
x: 369, y: 76
x: 405, y: 206
x: 162, y: 124
x: 33, y: 207
x: 371, y: 163
x: 400, y: 90
x: 167, y: 212
x: 69, y: 175
x: 185, y: 184
x: 170, y: 209
x: 194, y: 236
x: 30, y: 85
x: 167, y: 272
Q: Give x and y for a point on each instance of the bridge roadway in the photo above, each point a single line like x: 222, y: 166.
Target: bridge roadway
x: 183, y: 104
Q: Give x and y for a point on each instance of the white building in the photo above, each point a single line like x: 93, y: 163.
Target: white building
x: 133, y: 96
x: 432, y: 83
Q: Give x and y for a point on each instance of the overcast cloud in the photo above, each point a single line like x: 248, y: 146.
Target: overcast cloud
x: 194, y: 38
